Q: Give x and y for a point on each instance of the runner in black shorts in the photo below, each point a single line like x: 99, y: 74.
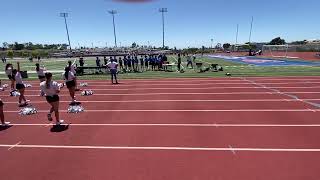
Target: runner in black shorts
x: 51, y: 90
x: 19, y: 85
x: 69, y: 78
x: 3, y: 123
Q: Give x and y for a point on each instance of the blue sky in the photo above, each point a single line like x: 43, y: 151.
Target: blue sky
x: 189, y: 23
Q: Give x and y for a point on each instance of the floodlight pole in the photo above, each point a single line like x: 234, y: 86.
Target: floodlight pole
x: 113, y: 12
x: 251, y: 30
x: 237, y: 33
x: 65, y: 15
x: 162, y: 11
x: 211, y: 43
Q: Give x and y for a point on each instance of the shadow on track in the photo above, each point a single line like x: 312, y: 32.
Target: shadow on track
x: 3, y: 128
x: 59, y: 128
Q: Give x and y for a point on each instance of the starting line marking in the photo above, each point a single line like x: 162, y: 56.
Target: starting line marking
x: 160, y: 148
x: 15, y: 145
x: 184, y: 125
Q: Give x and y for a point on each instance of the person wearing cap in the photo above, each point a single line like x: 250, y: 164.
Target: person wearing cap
x: 51, y: 90
x: 113, y: 70
x: 3, y: 123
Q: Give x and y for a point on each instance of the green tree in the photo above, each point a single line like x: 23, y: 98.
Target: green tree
x: 299, y: 42
x: 277, y: 41
x: 134, y: 45
x: 10, y: 54
x: 5, y: 45
x: 226, y: 46
x: 34, y: 53
x: 18, y: 46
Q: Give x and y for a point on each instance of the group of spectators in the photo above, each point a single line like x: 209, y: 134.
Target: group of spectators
x: 133, y: 63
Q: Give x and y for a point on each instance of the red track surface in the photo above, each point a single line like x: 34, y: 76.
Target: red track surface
x: 171, y: 129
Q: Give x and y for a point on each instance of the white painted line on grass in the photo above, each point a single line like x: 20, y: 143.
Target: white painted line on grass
x: 15, y: 145
x: 162, y: 148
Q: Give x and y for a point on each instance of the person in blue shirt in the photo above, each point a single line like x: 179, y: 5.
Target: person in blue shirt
x: 125, y: 63
x: 98, y: 62
x: 136, y: 63
x: 146, y: 62
x: 121, y: 64
x: 129, y: 64
x: 141, y: 64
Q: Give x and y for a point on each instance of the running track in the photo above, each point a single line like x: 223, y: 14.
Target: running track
x: 171, y: 129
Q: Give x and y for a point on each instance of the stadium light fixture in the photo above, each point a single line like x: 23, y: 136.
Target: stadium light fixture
x: 162, y: 11
x: 65, y: 15
x: 113, y: 13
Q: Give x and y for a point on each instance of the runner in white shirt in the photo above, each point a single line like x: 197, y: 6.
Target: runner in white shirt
x: 3, y: 123
x: 19, y: 85
x: 41, y: 75
x: 8, y: 71
x: 69, y: 78
x: 41, y: 72
x: 113, y: 70
x: 51, y: 90
x: 73, y: 68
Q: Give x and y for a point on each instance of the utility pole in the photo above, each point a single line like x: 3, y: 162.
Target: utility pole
x: 65, y: 15
x: 162, y: 11
x: 113, y: 13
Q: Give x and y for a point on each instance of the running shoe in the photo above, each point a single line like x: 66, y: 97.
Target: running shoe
x: 5, y: 124
x: 60, y: 122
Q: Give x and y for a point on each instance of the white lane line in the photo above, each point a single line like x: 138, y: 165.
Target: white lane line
x: 13, y: 146
x: 190, y: 84
x: 184, y: 125
x: 45, y: 125
x: 163, y: 148
x: 186, y: 110
x: 195, y: 100
x: 232, y: 150
x: 187, y: 93
x: 276, y: 89
x: 189, y: 88
x: 312, y: 110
